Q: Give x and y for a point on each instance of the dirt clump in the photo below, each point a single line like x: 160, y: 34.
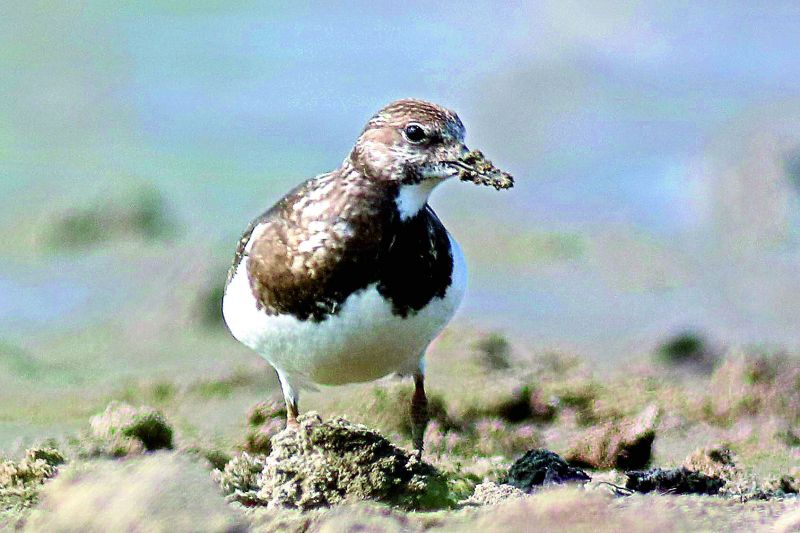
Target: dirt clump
x: 741, y: 483
x: 20, y: 482
x: 491, y: 493
x: 787, y: 483
x: 324, y: 463
x: 240, y: 479
x: 717, y: 461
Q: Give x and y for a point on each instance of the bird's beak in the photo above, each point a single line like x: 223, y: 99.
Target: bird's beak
x: 472, y: 165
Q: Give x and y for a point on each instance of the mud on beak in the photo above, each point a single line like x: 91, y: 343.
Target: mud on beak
x: 474, y: 167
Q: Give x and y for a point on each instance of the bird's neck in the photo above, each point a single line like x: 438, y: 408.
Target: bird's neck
x: 409, y: 198
x: 412, y: 198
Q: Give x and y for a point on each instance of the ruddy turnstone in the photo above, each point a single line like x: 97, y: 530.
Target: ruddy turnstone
x: 351, y: 275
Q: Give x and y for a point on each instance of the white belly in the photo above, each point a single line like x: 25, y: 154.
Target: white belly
x: 362, y: 342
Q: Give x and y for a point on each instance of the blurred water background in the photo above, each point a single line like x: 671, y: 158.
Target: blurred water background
x: 656, y: 148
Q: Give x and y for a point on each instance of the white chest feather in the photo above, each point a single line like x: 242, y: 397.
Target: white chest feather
x: 362, y: 342
x: 412, y: 198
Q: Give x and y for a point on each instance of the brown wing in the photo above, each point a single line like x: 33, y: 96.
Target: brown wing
x: 316, y: 246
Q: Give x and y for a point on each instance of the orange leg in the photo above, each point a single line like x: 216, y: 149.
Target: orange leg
x: 291, y: 398
x: 419, y: 413
x: 291, y: 415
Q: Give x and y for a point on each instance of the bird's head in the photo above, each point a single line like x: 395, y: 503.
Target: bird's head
x: 418, y: 145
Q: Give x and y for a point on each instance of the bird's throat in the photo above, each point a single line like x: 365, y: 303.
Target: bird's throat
x: 412, y: 198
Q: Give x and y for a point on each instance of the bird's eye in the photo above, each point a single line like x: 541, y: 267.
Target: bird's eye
x: 414, y: 133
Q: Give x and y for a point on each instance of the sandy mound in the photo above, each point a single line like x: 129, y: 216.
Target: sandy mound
x: 326, y: 463
x: 160, y: 492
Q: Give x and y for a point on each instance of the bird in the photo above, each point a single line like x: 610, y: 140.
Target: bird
x: 350, y: 276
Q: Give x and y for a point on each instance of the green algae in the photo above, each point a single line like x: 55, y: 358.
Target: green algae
x: 495, y: 351
x: 122, y: 430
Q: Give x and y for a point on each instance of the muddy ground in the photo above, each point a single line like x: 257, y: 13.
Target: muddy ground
x: 722, y: 427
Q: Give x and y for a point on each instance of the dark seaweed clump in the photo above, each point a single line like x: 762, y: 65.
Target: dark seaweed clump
x: 543, y: 467
x: 687, y: 349
x: 673, y: 481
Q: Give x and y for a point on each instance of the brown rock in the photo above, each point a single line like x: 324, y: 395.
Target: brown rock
x: 625, y: 444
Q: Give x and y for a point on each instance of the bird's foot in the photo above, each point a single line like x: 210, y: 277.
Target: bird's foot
x: 418, y: 453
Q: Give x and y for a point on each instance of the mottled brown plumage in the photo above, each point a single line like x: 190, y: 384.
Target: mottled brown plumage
x: 351, y: 274
x: 318, y: 245
x: 335, y: 235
